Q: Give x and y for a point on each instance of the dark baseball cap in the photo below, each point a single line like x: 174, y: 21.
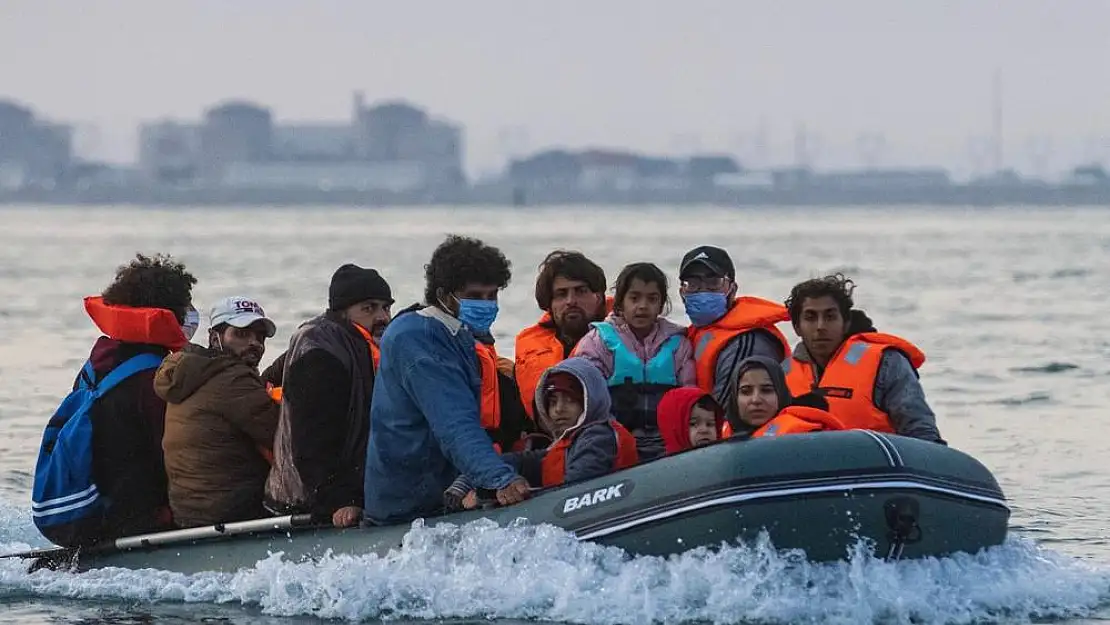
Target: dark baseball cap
x: 716, y: 259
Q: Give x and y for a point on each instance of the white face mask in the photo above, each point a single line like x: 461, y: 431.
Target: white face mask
x: 192, y: 322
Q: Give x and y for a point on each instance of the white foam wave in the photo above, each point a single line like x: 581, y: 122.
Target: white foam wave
x: 16, y: 526
x: 543, y: 573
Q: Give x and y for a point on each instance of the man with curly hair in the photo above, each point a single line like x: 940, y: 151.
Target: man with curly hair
x: 146, y: 310
x: 433, y: 396
x: 868, y: 377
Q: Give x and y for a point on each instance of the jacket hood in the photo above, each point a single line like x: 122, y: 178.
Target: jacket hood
x: 105, y: 354
x: 778, y: 379
x: 108, y: 353
x: 674, y: 417
x: 183, y: 373
x: 595, y: 396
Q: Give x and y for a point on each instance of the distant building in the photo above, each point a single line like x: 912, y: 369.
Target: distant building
x: 600, y: 169
x: 706, y: 168
x: 315, y: 142
x: 401, y: 132
x: 554, y: 169
x: 394, y: 176
x: 862, y: 179
x: 391, y: 146
x: 1089, y: 175
x: 882, y: 179
x: 234, y: 132
x: 393, y: 131
x: 745, y: 180
x: 169, y: 152
x: 791, y: 177
x: 32, y: 151
x: 443, y: 153
x: 609, y: 169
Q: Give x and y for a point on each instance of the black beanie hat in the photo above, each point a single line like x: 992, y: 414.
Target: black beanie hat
x: 351, y: 284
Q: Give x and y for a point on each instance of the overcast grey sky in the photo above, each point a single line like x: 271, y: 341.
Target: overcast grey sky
x: 648, y: 74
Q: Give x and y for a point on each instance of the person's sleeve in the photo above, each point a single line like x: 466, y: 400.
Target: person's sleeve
x: 440, y: 388
x: 898, y: 393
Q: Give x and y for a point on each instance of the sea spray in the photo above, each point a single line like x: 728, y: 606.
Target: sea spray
x: 543, y: 573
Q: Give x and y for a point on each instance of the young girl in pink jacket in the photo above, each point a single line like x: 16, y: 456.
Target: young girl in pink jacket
x: 641, y: 354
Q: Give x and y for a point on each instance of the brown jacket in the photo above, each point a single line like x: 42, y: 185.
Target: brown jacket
x: 219, y: 422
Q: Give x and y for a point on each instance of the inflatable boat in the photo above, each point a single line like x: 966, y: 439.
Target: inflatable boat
x: 820, y: 493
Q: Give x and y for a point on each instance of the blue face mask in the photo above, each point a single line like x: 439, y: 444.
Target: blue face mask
x: 706, y: 307
x: 478, y: 314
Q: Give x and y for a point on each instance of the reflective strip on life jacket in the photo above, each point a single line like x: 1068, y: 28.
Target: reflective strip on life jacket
x: 554, y: 467
x: 746, y: 314
x: 799, y: 420
x: 848, y: 382
x: 153, y: 326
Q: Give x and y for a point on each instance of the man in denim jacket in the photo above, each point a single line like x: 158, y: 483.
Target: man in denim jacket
x: 425, y: 423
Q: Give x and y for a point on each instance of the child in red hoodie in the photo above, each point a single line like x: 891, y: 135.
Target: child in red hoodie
x: 689, y: 417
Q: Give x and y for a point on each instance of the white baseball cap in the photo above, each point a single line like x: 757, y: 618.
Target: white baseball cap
x: 240, y: 312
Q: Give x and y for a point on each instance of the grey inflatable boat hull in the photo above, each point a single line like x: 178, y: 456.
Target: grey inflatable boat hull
x: 817, y: 492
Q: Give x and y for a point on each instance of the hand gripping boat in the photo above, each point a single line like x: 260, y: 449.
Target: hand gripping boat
x: 819, y: 492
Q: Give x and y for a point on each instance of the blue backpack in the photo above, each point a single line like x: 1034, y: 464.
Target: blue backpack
x: 64, y: 492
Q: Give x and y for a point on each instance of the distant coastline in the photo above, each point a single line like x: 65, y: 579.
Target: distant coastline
x: 507, y: 195
x: 394, y: 153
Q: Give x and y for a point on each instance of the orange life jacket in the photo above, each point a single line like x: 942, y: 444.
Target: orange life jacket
x: 746, y: 314
x: 848, y: 382
x: 538, y: 348
x: 375, y: 352
x: 375, y: 355
x: 799, y: 420
x: 554, y: 467
x: 489, y: 403
x: 153, y: 326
